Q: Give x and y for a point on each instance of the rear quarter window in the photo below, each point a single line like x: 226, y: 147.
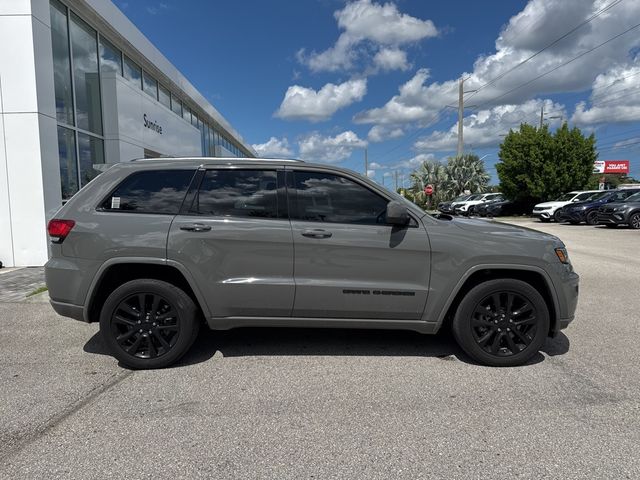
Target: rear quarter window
x: 157, y: 191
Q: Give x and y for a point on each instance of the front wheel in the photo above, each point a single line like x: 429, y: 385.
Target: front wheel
x: 556, y: 216
x: 592, y: 218
x: 148, y: 323
x: 502, y: 322
x: 634, y: 221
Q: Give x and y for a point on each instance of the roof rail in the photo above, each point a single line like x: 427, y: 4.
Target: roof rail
x: 231, y: 159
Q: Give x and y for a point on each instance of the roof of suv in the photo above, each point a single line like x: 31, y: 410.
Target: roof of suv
x: 214, y: 160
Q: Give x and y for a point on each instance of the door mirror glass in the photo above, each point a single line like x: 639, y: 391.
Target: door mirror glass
x: 397, y: 213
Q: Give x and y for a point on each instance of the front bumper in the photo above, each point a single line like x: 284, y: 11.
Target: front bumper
x: 568, y: 290
x: 612, y: 218
x: 572, y: 216
x: 546, y: 214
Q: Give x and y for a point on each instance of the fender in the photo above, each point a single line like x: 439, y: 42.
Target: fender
x: 497, y: 266
x: 146, y: 260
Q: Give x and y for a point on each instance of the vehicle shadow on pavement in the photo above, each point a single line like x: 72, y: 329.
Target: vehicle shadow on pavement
x: 246, y: 342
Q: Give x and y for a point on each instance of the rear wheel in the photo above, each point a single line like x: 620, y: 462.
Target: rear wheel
x: 502, y: 322
x: 148, y: 323
x: 592, y: 218
x: 634, y: 221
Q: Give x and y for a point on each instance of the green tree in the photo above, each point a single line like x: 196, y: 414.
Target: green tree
x: 431, y: 172
x: 536, y: 165
x: 467, y: 172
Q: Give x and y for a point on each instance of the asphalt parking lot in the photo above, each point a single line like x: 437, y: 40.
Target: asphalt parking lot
x: 288, y: 403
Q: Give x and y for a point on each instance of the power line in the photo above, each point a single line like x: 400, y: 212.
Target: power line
x: 564, y: 64
x: 616, y: 81
x: 591, y: 18
x: 616, y: 146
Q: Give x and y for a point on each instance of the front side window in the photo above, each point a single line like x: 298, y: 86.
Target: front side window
x: 237, y: 193
x: 158, y: 191
x: 322, y: 197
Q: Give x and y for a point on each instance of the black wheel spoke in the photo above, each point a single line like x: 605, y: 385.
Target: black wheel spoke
x: 509, y: 307
x: 171, y: 328
x: 126, y: 308
x: 511, y: 344
x: 152, y: 349
x: 526, y: 339
x: 169, y: 314
x: 126, y: 336
x: 162, y: 341
x: 523, y: 309
x: 496, y: 301
x: 123, y: 321
x: 525, y: 321
x: 143, y: 304
x: 133, y: 348
x: 482, y: 341
x: 495, y: 345
x: 155, y: 304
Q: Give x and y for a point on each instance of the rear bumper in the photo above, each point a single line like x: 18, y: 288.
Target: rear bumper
x: 68, y: 310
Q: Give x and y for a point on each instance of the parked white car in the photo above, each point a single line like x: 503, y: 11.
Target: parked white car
x: 547, y: 210
x: 466, y: 207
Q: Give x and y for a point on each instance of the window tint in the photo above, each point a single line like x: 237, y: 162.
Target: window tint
x: 322, y: 197
x: 159, y: 191
x: 238, y: 193
x: 622, y: 195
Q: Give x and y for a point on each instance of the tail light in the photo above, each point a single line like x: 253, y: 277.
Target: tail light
x: 59, y: 229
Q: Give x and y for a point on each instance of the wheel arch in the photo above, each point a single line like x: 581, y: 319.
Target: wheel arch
x: 534, y: 276
x: 117, y: 271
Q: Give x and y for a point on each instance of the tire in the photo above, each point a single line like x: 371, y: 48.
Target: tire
x: 556, y: 216
x: 592, y: 217
x: 634, y: 221
x: 158, y: 342
x: 518, y: 335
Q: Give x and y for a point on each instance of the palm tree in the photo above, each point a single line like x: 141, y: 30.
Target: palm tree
x: 467, y: 172
x: 433, y: 173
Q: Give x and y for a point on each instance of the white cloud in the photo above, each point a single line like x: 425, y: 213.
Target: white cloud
x: 366, y: 21
x: 615, y: 97
x: 413, y: 162
x: 486, y: 127
x: 273, y: 148
x: 301, y: 103
x: 537, y: 25
x: 316, y: 147
x: 371, y: 173
x: 391, y: 59
x: 379, y: 133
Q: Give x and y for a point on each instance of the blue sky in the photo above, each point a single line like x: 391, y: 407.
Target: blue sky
x: 322, y: 79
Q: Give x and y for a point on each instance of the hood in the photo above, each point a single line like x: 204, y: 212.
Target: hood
x: 552, y: 204
x: 499, y: 229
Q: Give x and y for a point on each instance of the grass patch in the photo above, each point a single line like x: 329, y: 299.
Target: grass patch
x: 37, y: 291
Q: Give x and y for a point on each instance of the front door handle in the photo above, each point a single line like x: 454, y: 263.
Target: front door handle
x: 316, y: 233
x: 195, y: 227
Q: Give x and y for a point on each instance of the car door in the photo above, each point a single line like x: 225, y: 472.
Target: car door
x: 234, y: 236
x: 348, y: 262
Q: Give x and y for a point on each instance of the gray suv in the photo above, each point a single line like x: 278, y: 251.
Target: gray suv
x: 154, y: 248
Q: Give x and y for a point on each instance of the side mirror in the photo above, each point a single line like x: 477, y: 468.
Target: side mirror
x: 397, y: 213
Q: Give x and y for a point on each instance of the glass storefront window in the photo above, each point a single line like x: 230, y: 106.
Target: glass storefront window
x: 176, y: 105
x: 132, y: 71
x: 84, y: 46
x: 150, y: 85
x: 186, y: 113
x: 68, y: 163
x: 110, y: 57
x: 91, y: 155
x: 61, y: 63
x: 164, y: 97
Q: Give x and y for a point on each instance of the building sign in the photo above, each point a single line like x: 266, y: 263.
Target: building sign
x: 152, y: 125
x: 611, y: 166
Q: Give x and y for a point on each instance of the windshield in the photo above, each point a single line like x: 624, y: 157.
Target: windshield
x: 474, y: 197
x: 460, y: 198
x: 566, y: 197
x: 633, y: 198
x: 584, y: 196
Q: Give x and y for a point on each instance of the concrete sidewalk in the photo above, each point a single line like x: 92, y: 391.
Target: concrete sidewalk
x: 16, y: 284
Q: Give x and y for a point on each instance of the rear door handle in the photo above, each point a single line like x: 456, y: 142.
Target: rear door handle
x: 316, y: 233
x: 195, y: 227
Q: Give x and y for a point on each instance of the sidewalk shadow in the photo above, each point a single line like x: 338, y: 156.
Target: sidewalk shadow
x: 244, y: 342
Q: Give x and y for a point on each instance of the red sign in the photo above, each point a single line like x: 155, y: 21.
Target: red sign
x: 428, y: 190
x: 611, y: 166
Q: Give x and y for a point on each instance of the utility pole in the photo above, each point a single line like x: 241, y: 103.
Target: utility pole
x: 396, y: 180
x: 461, y: 92
x: 460, y: 116
x: 541, y: 116
x: 366, y: 163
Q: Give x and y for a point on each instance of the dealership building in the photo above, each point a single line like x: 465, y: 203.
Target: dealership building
x: 82, y: 88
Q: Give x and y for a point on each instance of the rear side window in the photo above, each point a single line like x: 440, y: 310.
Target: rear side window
x: 323, y: 197
x: 237, y: 193
x: 158, y: 191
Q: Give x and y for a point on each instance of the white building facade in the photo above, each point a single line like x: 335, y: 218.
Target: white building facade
x: 81, y: 88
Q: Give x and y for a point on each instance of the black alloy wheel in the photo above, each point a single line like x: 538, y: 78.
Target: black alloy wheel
x: 634, y: 221
x: 149, y: 323
x: 145, y: 325
x: 502, y: 322
x: 556, y: 216
x: 592, y: 217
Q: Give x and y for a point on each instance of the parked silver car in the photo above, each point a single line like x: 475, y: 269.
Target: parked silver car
x: 153, y: 248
